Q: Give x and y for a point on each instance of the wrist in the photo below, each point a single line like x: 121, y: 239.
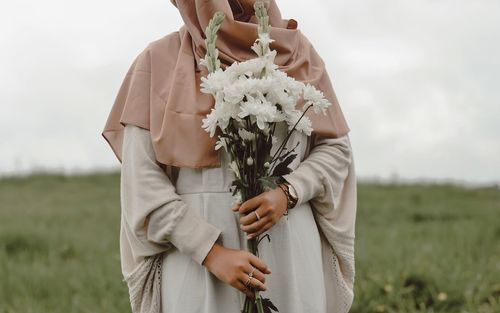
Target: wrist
x: 211, y: 254
x: 289, y: 191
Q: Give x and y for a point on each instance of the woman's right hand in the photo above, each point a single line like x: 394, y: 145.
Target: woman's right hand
x: 233, y: 266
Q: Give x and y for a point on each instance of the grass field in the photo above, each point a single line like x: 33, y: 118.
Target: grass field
x: 419, y: 248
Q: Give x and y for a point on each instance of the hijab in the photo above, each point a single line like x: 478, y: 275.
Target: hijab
x: 161, y: 90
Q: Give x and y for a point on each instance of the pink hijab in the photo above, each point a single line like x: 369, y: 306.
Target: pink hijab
x: 161, y: 89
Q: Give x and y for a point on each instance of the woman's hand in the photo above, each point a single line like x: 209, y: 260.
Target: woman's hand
x: 269, y: 205
x: 233, y: 266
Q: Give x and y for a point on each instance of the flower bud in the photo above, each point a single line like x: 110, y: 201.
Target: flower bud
x: 250, y: 161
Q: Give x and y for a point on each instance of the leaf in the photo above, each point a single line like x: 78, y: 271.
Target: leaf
x: 268, y: 305
x: 268, y: 182
x: 282, y: 168
x: 239, y: 184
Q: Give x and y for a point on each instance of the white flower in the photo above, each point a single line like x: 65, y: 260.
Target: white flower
x: 304, y: 125
x: 210, y: 122
x: 312, y: 94
x: 245, y: 134
x: 250, y: 68
x: 315, y: 98
x: 259, y: 108
x: 278, y: 95
x: 225, y: 112
x: 262, y: 44
x: 221, y: 143
x: 214, y: 82
x: 235, y: 92
x: 269, y: 61
x: 265, y: 130
x: 265, y: 39
x: 256, y: 90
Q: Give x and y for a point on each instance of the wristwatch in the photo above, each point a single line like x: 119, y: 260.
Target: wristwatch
x: 289, y: 190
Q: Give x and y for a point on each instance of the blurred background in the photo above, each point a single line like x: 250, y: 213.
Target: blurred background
x: 417, y: 82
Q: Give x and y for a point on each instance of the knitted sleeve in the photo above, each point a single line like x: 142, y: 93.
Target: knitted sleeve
x: 320, y: 176
x: 326, y: 178
x: 153, y: 213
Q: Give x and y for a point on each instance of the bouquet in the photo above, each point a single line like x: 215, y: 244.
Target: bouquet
x: 251, y: 98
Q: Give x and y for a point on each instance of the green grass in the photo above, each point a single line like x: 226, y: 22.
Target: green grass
x: 419, y: 248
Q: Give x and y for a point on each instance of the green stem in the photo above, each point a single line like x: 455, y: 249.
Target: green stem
x: 282, y: 146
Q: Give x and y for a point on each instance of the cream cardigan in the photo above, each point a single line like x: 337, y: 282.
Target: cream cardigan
x: 154, y: 217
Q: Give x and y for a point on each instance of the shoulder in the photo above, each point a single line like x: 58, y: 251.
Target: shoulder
x: 308, y: 49
x: 158, y: 52
x: 167, y: 42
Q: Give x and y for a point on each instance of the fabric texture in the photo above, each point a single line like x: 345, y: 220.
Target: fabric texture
x: 161, y: 90
x: 158, y: 214
x: 293, y: 252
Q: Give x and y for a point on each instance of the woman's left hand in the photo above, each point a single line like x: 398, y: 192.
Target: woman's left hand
x: 270, y: 207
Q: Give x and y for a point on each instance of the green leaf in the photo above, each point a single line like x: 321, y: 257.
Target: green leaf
x: 239, y: 184
x: 268, y: 182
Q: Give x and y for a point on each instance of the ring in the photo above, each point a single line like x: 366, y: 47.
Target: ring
x: 257, y: 214
x: 251, y: 273
x: 248, y: 281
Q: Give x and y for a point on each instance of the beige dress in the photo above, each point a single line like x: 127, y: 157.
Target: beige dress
x: 180, y: 213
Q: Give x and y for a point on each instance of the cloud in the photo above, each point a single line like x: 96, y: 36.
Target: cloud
x: 416, y: 80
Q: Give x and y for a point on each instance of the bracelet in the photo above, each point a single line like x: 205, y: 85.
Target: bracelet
x: 281, y: 185
x: 285, y: 186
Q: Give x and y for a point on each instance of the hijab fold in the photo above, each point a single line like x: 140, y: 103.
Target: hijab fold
x: 161, y: 90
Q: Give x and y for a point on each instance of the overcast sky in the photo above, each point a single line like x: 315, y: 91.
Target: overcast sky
x: 417, y: 80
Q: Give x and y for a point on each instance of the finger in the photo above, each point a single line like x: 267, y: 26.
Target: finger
x: 252, y: 217
x: 259, y: 264
x: 241, y: 287
x: 236, y: 206
x: 257, y: 284
x: 257, y: 274
x: 260, y: 231
x: 250, y: 204
x: 255, y: 226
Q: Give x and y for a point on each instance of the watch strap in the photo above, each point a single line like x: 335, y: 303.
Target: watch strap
x: 286, y: 186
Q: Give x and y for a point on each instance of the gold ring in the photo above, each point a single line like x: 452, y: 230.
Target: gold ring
x: 251, y: 273
x: 248, y: 281
x: 257, y: 214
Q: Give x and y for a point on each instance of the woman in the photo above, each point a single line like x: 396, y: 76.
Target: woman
x: 182, y: 235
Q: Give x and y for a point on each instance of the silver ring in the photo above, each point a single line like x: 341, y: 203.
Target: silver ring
x: 257, y: 214
x: 248, y: 281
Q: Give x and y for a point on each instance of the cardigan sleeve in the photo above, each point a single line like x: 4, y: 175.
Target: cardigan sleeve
x: 326, y: 177
x: 156, y: 215
x: 321, y: 175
